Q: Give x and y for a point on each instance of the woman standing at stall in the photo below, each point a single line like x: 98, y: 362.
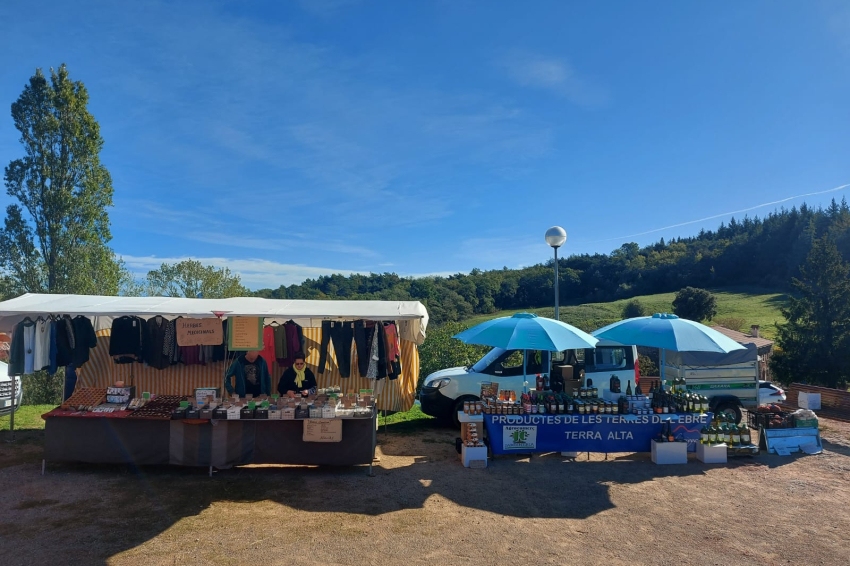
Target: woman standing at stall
x: 298, y: 378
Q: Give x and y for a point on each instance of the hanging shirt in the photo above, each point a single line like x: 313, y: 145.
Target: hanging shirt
x: 53, y: 367
x: 29, y: 347
x: 280, y: 343
x: 154, y: 353
x: 41, y: 351
x: 64, y: 341
x: 190, y: 355
x: 268, y: 351
x: 84, y: 340
x: 126, y: 339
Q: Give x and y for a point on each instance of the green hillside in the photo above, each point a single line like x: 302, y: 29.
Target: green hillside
x: 747, y: 306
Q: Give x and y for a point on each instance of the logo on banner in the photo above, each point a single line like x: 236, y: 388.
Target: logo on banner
x: 519, y: 437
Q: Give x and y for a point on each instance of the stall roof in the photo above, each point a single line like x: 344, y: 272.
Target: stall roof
x: 306, y: 313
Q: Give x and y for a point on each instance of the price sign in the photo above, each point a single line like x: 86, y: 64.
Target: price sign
x: 244, y: 333
x: 322, y: 430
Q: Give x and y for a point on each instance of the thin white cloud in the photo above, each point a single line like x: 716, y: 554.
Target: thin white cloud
x: 721, y: 215
x: 553, y: 75
x: 255, y: 273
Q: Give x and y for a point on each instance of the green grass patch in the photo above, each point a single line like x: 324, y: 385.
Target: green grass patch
x: 27, y: 417
x: 750, y: 305
x: 410, y: 421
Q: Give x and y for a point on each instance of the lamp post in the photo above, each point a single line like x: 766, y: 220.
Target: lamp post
x: 555, y: 237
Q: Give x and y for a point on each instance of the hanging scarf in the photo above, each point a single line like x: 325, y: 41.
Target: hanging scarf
x: 299, y: 376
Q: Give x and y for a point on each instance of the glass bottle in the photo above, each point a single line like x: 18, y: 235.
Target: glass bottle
x: 629, y: 388
x: 746, y: 439
x: 712, y: 435
x: 703, y: 435
x: 735, y: 436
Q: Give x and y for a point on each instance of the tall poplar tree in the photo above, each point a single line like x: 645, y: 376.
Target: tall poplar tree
x: 54, y: 239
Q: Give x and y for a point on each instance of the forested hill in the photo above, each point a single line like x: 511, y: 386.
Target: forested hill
x: 756, y: 252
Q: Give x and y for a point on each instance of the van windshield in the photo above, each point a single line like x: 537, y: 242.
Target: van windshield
x: 488, y: 359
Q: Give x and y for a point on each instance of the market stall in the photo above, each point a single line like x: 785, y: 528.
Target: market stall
x: 143, y: 396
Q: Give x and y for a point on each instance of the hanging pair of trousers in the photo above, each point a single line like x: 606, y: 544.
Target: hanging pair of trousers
x: 363, y: 343
x: 340, y: 333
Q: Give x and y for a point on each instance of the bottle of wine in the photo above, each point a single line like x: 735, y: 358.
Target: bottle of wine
x: 703, y: 435
x: 638, y: 390
x: 746, y: 440
x: 735, y: 435
x: 712, y: 434
x: 629, y: 387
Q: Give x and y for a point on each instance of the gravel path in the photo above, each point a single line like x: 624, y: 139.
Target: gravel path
x: 423, y: 507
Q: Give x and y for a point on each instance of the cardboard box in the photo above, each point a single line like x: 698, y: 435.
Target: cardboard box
x: 275, y: 414
x: 809, y: 401
x: 670, y: 452
x: 571, y: 386
x: 233, y: 413
x: 565, y: 371
x: 711, y: 453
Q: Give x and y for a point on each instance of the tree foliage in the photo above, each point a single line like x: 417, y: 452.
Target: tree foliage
x: 695, y: 304
x: 752, y: 252
x: 54, y: 239
x: 441, y: 351
x: 814, y: 344
x: 633, y: 309
x: 189, y: 278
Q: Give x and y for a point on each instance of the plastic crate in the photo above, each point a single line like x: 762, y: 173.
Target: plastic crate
x: 770, y: 420
x: 806, y: 423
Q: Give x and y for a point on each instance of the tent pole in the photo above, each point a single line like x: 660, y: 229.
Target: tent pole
x: 12, y: 414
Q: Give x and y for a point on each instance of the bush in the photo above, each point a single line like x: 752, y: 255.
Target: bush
x: 633, y: 309
x: 41, y: 388
x: 647, y: 366
x: 695, y: 304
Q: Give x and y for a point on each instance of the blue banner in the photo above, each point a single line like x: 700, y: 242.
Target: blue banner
x: 511, y: 434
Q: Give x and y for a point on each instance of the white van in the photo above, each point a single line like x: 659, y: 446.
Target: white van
x: 6, y: 391
x: 443, y: 392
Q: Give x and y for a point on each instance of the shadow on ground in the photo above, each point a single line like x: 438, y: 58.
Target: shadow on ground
x: 74, y: 509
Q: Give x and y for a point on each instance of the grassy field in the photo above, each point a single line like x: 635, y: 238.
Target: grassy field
x: 28, y: 417
x: 750, y: 306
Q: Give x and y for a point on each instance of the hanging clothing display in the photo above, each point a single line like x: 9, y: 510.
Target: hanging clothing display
x: 393, y: 350
x: 18, y: 350
x: 52, y: 367
x: 341, y: 334
x: 126, y: 343
x: 219, y: 353
x: 280, y: 349
x: 84, y: 340
x: 294, y: 343
x: 190, y: 355
x: 361, y: 341
x: 268, y: 351
x: 156, y: 330
x: 41, y: 348
x: 64, y: 341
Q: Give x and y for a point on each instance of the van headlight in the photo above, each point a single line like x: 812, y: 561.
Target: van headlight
x: 440, y: 383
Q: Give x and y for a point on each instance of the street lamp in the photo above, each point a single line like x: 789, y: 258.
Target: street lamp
x: 555, y: 237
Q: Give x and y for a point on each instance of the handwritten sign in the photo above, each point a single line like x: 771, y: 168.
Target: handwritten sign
x: 199, y: 332
x: 322, y: 430
x: 244, y: 333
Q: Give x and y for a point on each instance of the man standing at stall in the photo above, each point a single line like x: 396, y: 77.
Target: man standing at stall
x: 251, y: 375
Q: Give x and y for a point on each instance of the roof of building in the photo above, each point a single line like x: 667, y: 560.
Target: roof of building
x: 741, y: 338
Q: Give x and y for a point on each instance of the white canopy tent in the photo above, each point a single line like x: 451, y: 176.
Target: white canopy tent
x: 305, y: 313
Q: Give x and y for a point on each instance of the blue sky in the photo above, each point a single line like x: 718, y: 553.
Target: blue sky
x: 288, y: 140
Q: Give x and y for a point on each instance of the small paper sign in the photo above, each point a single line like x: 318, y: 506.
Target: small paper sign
x: 201, y: 394
x: 322, y: 430
x: 244, y: 333
x: 199, y: 332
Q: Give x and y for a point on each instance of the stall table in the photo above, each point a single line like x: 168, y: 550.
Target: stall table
x: 111, y: 438
x: 537, y: 433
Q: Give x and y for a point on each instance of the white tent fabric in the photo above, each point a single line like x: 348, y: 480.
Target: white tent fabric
x: 411, y: 315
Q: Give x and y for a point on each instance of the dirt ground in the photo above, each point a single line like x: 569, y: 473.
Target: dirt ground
x: 423, y: 507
